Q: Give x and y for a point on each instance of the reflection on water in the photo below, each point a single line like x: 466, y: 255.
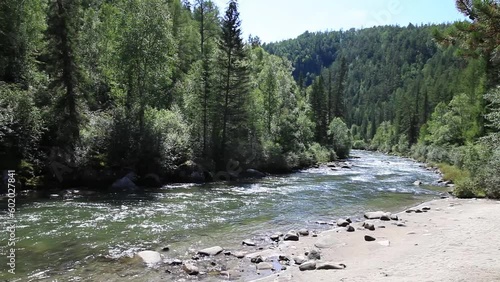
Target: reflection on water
x: 77, y: 238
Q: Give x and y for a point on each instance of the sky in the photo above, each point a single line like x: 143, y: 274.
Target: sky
x: 276, y: 20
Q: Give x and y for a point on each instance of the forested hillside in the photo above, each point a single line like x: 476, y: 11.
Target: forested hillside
x: 93, y: 89
x: 415, y: 90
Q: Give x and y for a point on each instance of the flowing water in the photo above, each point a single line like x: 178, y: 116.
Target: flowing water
x: 86, y: 239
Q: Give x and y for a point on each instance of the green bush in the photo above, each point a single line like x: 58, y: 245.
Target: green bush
x: 341, y: 138
x: 320, y: 154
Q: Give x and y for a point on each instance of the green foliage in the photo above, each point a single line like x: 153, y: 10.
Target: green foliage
x: 341, y: 138
x: 384, y: 138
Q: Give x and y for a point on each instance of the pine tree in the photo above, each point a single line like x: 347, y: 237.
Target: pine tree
x: 234, y: 74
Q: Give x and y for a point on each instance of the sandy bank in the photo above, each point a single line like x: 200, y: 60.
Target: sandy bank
x: 457, y: 240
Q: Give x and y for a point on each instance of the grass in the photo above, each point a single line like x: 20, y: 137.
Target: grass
x: 453, y: 173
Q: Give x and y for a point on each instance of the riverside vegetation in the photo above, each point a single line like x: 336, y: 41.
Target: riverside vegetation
x: 92, y: 89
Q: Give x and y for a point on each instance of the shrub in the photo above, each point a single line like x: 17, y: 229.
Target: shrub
x: 341, y: 138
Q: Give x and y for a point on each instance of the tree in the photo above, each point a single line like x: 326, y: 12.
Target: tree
x: 63, y: 34
x: 341, y: 138
x: 233, y: 88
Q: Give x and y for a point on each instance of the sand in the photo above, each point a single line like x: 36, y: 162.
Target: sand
x: 457, y: 240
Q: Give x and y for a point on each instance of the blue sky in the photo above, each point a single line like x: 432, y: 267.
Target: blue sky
x: 274, y: 20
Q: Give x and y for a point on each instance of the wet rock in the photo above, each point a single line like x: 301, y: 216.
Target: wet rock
x: 410, y: 210
x: 150, y: 257
x: 124, y: 184
x: 342, y: 222
x: 394, y: 217
x: 264, y: 266
x: 257, y: 259
x: 369, y: 226
x: 291, y: 236
x: 304, y: 232
x: 308, y: 265
x: 426, y: 208
x: 374, y: 215
x: 417, y: 183
x: 213, y: 251
x: 252, y: 173
x: 275, y: 237
x: 350, y: 228
x: 418, y: 211
x: 329, y: 265
x: 386, y: 216
x: 191, y: 269
x: 299, y: 259
x: 369, y: 238
x: 248, y: 243
x: 314, y: 255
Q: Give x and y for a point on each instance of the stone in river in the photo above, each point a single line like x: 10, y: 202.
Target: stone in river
x: 190, y: 269
x: 308, y: 265
x: 369, y: 238
x: 248, y: 243
x: 342, y: 222
x: 264, y: 266
x: 291, y: 236
x: 299, y: 259
x: 417, y: 183
x: 330, y: 265
x: 350, y: 229
x: 213, y: 251
x: 304, y: 232
x: 314, y: 255
x: 374, y: 215
x: 386, y: 216
x: 369, y: 226
x: 150, y: 257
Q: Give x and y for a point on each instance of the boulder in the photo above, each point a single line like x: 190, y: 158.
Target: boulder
x: 291, y: 236
x: 426, y: 208
x: 124, y: 184
x: 374, y: 215
x: 240, y: 255
x: 265, y: 266
x: 213, y: 251
x: 150, y: 257
x: 304, y: 232
x: 191, y: 269
x: 369, y: 226
x: 329, y: 265
x: 349, y: 228
x: 308, y: 265
x: 248, y: 243
x: 252, y: 173
x: 369, y: 238
x: 386, y: 216
x: 257, y: 259
x: 275, y: 237
x: 299, y: 260
x: 313, y: 255
x: 417, y: 183
x: 342, y: 222
x: 394, y: 217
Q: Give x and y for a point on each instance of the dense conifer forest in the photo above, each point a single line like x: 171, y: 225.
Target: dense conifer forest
x: 91, y: 89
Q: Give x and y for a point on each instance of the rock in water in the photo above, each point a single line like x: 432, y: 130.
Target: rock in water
x: 264, y: 266
x: 124, y: 184
x: 291, y: 236
x: 374, y: 215
x: 386, y: 216
x: 248, y: 243
x: 330, y: 265
x: 308, y: 265
x: 190, y: 269
x: 304, y: 232
x: 314, y: 255
x: 150, y: 257
x: 213, y: 251
x: 369, y: 238
x: 252, y: 173
x: 342, y: 222
x: 417, y: 183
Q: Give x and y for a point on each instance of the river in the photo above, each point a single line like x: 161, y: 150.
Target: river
x: 90, y: 238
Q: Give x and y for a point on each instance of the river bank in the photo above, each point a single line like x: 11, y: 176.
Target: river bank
x: 456, y: 240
